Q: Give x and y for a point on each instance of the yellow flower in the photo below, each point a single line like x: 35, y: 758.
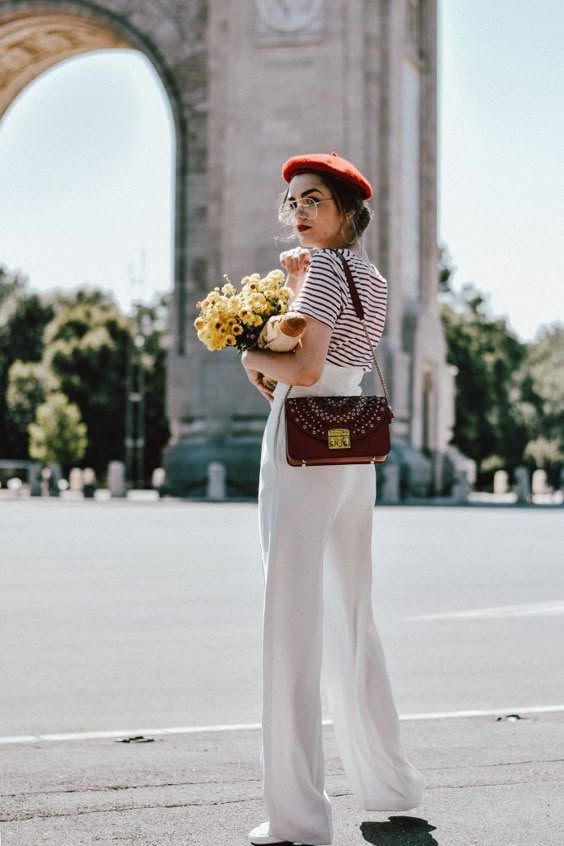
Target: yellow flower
x: 217, y: 341
x: 257, y: 302
x: 226, y: 313
x: 276, y: 277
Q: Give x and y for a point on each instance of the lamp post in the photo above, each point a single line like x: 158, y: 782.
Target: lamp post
x: 135, y: 385
x: 135, y: 405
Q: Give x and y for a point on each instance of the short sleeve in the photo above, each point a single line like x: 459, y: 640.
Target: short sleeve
x: 321, y: 295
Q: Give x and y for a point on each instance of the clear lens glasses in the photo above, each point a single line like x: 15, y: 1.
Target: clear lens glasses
x: 306, y: 207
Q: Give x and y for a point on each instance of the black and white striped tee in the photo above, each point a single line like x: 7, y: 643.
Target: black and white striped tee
x: 325, y: 296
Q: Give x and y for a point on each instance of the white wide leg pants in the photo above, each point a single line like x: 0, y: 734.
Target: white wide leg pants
x: 316, y: 534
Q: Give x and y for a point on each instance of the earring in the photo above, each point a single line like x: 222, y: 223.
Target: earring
x: 355, y: 236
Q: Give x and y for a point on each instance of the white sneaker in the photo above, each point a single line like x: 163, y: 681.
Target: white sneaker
x: 260, y: 835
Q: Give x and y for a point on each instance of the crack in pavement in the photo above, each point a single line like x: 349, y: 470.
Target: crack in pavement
x: 116, y: 787
x: 220, y: 802
x: 499, y: 764
x: 47, y: 816
x: 124, y: 787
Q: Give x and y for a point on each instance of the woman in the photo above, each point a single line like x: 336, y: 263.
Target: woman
x: 316, y: 532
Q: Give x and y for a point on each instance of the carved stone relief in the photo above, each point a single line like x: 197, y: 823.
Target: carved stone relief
x: 288, y: 21
x: 33, y: 43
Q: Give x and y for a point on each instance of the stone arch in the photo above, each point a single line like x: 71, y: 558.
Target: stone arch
x: 35, y: 35
x: 32, y: 43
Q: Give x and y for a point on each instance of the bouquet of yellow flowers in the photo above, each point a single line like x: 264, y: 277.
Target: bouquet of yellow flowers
x: 254, y: 316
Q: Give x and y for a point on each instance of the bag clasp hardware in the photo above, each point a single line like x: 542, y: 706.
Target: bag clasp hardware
x: 339, y: 439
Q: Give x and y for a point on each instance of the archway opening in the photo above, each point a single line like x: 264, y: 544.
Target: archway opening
x: 86, y: 160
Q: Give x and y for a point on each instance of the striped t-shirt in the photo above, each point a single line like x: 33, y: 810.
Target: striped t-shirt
x: 325, y: 296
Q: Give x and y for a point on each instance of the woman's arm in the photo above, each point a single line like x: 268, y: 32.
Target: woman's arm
x: 303, y: 366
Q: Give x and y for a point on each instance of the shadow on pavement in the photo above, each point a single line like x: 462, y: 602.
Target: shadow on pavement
x: 399, y: 831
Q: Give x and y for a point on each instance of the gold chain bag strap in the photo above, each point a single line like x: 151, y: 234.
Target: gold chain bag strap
x: 339, y: 430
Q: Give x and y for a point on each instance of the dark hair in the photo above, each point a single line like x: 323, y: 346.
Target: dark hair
x: 346, y: 200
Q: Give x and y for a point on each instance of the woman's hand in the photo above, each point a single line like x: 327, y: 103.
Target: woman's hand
x: 296, y: 263
x: 255, y: 378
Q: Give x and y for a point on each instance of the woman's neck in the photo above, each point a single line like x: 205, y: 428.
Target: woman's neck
x: 356, y: 248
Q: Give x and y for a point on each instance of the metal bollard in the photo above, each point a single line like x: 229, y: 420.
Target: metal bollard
x: 216, y: 480
x: 390, y: 484
x: 521, y: 484
x: 116, y: 478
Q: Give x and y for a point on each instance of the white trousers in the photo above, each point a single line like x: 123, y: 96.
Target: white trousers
x: 316, y: 535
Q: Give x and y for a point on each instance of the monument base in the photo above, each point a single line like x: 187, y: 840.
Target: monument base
x: 187, y: 466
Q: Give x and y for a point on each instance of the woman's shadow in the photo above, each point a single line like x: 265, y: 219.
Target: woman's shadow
x: 399, y: 831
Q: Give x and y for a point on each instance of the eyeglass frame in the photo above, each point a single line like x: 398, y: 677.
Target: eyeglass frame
x: 303, y: 203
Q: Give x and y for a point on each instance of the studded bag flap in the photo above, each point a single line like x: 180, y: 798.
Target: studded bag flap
x: 317, y: 415
x: 336, y: 429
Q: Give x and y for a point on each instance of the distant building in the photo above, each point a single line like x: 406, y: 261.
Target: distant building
x: 251, y: 84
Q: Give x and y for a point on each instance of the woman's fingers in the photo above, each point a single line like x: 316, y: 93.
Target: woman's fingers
x: 296, y: 260
x: 268, y: 395
x: 265, y: 392
x: 304, y: 260
x: 255, y: 378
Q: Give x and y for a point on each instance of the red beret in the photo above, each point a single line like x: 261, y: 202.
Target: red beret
x: 331, y: 164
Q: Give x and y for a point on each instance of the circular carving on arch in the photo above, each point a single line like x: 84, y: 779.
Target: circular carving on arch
x: 32, y: 43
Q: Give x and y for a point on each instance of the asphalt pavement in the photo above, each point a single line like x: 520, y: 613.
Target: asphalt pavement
x: 130, y: 674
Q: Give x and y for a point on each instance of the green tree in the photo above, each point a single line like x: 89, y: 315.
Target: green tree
x: 58, y: 433
x: 543, y: 390
x: 29, y: 384
x: 85, y: 348
x: 23, y: 317
x: 77, y: 343
x: 493, y: 424
x: 12, y: 286
x: 87, y: 345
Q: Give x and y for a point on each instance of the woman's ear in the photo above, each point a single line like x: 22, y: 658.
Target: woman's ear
x: 348, y: 219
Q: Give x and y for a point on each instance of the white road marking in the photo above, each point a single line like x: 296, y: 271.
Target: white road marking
x: 529, y: 609
x: 153, y: 732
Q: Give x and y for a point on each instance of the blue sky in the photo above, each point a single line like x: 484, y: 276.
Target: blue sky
x: 86, y: 157
x: 501, y: 176
x: 86, y: 161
